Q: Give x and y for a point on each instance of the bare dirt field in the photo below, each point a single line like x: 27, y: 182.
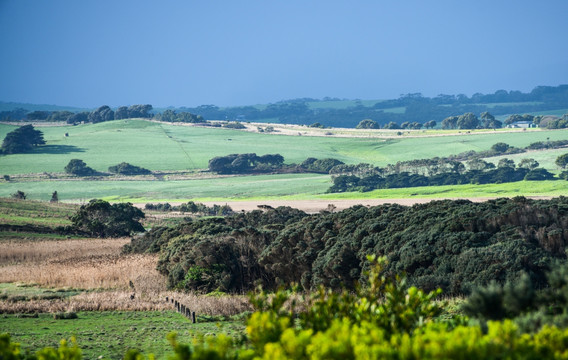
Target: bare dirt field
x: 314, y: 206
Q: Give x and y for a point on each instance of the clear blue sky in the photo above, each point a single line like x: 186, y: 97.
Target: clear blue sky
x: 88, y: 53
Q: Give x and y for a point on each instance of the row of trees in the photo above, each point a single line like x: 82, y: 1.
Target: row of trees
x: 183, y: 116
x: 251, y: 163
x: 192, y: 208
x: 504, y: 173
x: 102, y: 113
x: 416, y: 108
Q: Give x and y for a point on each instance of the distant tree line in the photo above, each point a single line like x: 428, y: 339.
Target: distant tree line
x: 192, y: 208
x: 464, y: 168
x: 487, y: 174
x: 102, y: 113
x: 455, y: 245
x: 183, y: 117
x: 414, y: 111
x: 417, y: 108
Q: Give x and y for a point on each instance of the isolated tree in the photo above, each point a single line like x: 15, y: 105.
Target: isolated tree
x: 101, y: 219
x: 20, y: 195
x: 22, y: 139
x: 367, y: 124
x: 79, y: 168
x: 54, y: 197
x: 562, y: 161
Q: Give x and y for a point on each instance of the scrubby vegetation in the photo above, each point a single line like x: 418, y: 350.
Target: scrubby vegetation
x: 125, y: 168
x: 455, y: 245
x: 383, y: 318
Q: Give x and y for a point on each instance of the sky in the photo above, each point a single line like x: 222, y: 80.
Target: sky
x: 187, y: 53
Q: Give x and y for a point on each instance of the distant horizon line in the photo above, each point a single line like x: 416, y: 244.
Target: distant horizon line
x: 325, y: 98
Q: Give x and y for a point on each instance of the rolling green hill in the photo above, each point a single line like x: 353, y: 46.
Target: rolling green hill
x: 166, y: 147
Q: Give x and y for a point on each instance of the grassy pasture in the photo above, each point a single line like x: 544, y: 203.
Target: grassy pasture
x: 170, y: 147
x: 183, y: 190
x: 17, y: 212
x: 111, y: 333
x: 167, y: 147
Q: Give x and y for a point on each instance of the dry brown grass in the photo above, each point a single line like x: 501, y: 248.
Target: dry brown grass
x: 83, y: 264
x: 97, y: 266
x: 121, y: 301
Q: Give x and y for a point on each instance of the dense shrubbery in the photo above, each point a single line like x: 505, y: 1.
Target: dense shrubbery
x: 503, y: 174
x: 251, y: 163
x: 183, y: 117
x: 455, y: 245
x: 127, y: 169
x: 79, y: 167
x: 245, y: 163
x: 438, y: 171
x: 100, y: 218
x: 21, y: 140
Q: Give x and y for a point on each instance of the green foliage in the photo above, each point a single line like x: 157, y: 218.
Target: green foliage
x: 127, y: 169
x: 11, y: 351
x: 102, y: 113
x: 322, y: 166
x: 562, y: 161
x: 99, y: 218
x: 368, y: 124
x: 22, y: 139
x: 455, y: 245
x: 19, y: 195
x: 245, y: 163
x: 79, y: 168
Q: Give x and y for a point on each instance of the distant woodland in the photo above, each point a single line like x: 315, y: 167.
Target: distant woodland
x: 409, y: 111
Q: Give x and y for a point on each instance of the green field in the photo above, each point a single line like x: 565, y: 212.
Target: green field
x: 167, y: 147
x: 111, y: 334
x: 183, y: 190
x: 170, y: 147
x: 17, y: 212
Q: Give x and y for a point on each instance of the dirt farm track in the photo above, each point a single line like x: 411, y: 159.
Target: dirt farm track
x: 314, y: 206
